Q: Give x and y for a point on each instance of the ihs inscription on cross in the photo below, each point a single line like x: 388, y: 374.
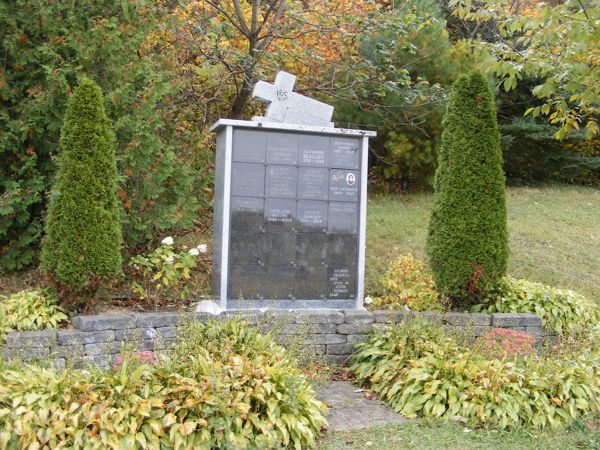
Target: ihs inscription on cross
x: 288, y: 106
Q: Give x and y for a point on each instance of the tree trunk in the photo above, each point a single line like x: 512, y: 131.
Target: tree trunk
x: 238, y: 108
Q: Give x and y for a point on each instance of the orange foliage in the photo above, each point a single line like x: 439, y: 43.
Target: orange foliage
x: 311, y: 35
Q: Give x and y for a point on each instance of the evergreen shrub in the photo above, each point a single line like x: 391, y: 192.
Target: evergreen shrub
x: 533, y: 155
x: 83, y: 235
x: 467, y: 240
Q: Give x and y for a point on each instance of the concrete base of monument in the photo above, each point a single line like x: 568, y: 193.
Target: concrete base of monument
x: 208, y: 307
x: 242, y: 304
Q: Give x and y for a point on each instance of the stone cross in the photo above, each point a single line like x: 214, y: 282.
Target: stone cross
x: 286, y: 106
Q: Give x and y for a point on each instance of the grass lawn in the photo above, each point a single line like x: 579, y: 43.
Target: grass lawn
x: 430, y: 434
x: 554, y: 235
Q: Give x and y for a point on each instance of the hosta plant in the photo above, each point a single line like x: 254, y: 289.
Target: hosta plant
x: 225, y: 386
x: 561, y: 310
x: 424, y: 373
x: 29, y: 310
x: 407, y: 283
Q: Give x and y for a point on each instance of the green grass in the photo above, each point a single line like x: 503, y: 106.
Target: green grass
x: 430, y: 434
x: 554, y: 235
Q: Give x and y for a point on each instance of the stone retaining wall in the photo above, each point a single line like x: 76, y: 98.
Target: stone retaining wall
x: 99, y: 339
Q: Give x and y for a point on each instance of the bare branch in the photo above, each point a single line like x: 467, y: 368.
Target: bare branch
x: 241, y: 18
x: 264, y: 42
x: 230, y: 19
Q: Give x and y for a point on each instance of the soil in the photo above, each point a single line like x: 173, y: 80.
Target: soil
x: 120, y: 304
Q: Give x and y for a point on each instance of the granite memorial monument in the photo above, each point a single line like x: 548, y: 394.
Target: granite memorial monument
x: 290, y: 206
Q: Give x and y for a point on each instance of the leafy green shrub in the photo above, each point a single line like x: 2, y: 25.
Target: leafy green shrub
x: 164, y: 271
x: 413, y: 156
x: 467, y: 242
x: 561, y: 310
x: 224, y: 386
x: 408, y: 283
x: 419, y: 371
x: 83, y: 234
x: 29, y: 311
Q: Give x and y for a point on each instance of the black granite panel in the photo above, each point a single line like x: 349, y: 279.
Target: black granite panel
x: 246, y: 282
x: 344, y: 153
x: 247, y: 213
x: 311, y: 249
x: 249, y: 146
x: 278, y: 282
x: 342, y: 249
x: 279, y: 249
x: 314, y: 151
x: 313, y: 183
x: 343, y: 217
x: 280, y: 214
x: 311, y: 282
x: 342, y: 282
x: 343, y: 185
x: 282, y: 148
x: 312, y: 216
x: 247, y: 180
x: 281, y: 182
x: 294, y: 216
x: 246, y: 248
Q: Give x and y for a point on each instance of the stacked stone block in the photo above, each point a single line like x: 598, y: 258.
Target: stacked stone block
x: 98, y: 339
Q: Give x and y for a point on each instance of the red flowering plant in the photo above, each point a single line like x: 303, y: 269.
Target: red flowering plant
x: 146, y: 357
x: 502, y: 343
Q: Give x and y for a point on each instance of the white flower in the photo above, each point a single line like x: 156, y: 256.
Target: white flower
x: 202, y: 248
x: 194, y: 252
x: 406, y: 308
x: 167, y: 241
x: 467, y: 430
x: 368, y: 300
x: 170, y: 259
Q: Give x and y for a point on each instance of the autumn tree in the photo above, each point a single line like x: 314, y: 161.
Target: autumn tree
x: 556, y: 44
x: 226, y: 45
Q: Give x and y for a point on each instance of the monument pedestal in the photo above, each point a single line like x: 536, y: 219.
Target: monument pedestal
x: 289, y: 216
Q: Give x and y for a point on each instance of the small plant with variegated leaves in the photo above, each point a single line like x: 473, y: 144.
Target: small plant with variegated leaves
x: 561, y: 310
x: 164, y: 271
x: 420, y: 371
x: 29, y: 310
x: 223, y: 386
